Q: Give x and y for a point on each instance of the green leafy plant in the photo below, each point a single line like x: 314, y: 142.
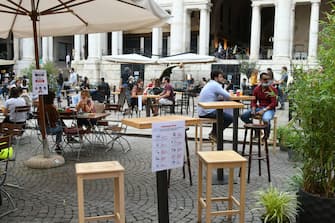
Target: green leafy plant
x: 276, y: 206
x: 313, y: 103
x: 52, y: 72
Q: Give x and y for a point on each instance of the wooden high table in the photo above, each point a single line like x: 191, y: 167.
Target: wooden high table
x: 161, y: 176
x: 220, y: 106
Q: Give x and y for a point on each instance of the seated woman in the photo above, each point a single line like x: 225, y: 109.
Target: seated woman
x: 137, y: 90
x: 14, y: 101
x: 85, y: 105
x: 53, y: 123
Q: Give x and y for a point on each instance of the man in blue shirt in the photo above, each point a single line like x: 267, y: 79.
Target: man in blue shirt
x: 214, y: 91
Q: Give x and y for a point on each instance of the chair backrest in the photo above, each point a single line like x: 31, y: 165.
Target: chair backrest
x: 12, y: 129
x: 25, y: 110
x: 99, y: 107
x: 5, y: 146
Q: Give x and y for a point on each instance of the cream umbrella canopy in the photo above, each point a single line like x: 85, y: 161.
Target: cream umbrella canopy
x: 30, y: 18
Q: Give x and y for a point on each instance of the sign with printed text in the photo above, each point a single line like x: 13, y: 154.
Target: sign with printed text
x: 168, y: 143
x: 40, y: 82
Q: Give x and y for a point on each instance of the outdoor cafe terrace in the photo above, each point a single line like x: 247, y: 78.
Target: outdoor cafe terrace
x: 50, y: 195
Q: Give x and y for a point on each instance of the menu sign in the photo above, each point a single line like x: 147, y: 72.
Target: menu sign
x: 40, y: 82
x: 168, y: 143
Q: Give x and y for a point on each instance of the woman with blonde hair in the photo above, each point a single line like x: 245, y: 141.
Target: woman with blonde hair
x: 253, y: 79
x: 85, y: 105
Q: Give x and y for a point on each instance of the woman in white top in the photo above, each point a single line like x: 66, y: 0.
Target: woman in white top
x: 14, y: 101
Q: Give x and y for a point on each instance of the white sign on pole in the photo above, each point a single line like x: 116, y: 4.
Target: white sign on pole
x: 168, y: 143
x: 40, y: 82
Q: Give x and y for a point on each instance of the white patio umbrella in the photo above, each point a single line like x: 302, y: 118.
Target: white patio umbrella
x: 33, y: 18
x: 187, y: 58
x: 129, y: 58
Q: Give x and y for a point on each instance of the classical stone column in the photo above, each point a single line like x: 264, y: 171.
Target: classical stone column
x: 51, y: 48
x: 255, y: 39
x: 27, y: 48
x: 45, y: 49
x: 103, y: 44
x: 142, y: 41
x: 187, y: 30
x: 292, y: 30
x: 157, y: 42
x: 282, y: 35
x: 16, y: 46
x: 77, y: 47
x: 177, y: 27
x: 313, y: 30
x: 94, y: 46
x: 117, y: 43
x: 204, y: 31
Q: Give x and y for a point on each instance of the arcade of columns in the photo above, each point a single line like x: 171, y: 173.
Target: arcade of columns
x: 180, y: 30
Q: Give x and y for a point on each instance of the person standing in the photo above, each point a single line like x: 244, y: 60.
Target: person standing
x: 214, y: 91
x: 282, y: 84
x: 124, y: 83
x: 68, y: 60
x: 73, y: 78
x: 264, y: 103
x: 60, y: 82
x: 104, y: 87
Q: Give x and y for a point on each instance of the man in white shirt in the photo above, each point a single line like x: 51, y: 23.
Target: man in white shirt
x: 214, y: 91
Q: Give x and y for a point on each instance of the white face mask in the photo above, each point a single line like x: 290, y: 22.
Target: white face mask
x: 265, y: 85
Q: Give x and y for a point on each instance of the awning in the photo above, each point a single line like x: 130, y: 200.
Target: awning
x: 130, y: 59
x: 6, y: 62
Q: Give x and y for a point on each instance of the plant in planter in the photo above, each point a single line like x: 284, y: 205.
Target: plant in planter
x: 276, y: 206
x: 313, y: 97
x: 288, y: 137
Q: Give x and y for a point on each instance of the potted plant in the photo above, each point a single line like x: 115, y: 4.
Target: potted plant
x: 276, y: 206
x: 288, y: 137
x: 313, y: 97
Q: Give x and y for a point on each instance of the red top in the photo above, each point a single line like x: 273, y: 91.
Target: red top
x: 266, y: 97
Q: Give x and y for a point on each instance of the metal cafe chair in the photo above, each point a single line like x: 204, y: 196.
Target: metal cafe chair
x: 6, y: 152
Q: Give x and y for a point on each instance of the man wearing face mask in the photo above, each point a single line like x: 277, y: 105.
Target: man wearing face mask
x: 264, y: 104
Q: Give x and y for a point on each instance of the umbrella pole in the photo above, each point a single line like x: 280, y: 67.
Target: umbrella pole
x: 46, y: 153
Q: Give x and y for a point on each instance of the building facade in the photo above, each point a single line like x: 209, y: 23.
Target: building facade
x: 270, y: 33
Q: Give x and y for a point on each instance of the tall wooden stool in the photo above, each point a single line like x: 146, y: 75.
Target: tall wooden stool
x: 274, y: 129
x: 198, y: 134
x: 257, y: 128
x: 101, y: 170
x: 221, y: 159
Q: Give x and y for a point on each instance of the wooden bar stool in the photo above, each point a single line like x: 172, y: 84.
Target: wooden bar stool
x: 101, y: 170
x: 199, y: 134
x: 221, y: 159
x: 257, y: 128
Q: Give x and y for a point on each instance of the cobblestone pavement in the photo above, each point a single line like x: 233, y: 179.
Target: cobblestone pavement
x: 49, y: 195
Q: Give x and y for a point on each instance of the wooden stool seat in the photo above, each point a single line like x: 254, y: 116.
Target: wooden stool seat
x: 101, y: 170
x: 221, y: 159
x: 255, y: 126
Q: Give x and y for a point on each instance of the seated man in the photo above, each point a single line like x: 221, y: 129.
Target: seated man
x: 14, y: 101
x: 167, y: 95
x: 264, y: 104
x: 214, y: 91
